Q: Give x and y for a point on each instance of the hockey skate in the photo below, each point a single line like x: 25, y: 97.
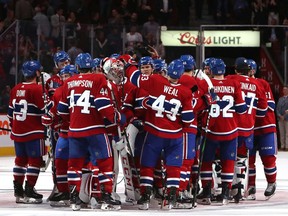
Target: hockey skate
x: 144, y: 200
x: 270, y: 190
x: 18, y: 192
x: 204, y: 198
x: 75, y: 200
x: 251, y: 193
x: 31, y: 195
x: 225, y: 194
x: 109, y: 203
x: 236, y: 192
x: 60, y: 199
x: 184, y: 200
x: 169, y: 201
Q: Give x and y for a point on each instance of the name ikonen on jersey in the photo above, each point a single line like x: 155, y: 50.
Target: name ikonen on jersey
x: 80, y: 83
x: 224, y: 89
x: 170, y: 90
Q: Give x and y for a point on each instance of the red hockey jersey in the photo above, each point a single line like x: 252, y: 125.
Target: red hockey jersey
x: 223, y: 123
x: 256, y: 101
x: 26, y: 106
x: 85, y: 103
x: 267, y: 124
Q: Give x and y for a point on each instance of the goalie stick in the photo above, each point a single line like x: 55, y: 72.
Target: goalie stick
x: 48, y: 129
x: 126, y: 153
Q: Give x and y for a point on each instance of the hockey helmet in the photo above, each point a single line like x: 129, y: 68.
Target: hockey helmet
x: 61, y: 57
x: 188, y: 62
x: 159, y: 65
x: 242, y: 64
x: 217, y: 67
x: 146, y: 60
x: 83, y: 61
x: 29, y: 68
x: 114, y: 70
x: 175, y: 69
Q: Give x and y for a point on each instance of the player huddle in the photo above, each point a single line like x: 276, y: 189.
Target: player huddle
x: 183, y: 135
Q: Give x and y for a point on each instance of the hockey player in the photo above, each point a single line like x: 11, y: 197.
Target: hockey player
x: 163, y: 123
x: 189, y: 133
x: 61, y: 59
x: 160, y: 67
x: 128, y: 100
x: 257, y: 106
x: 85, y: 103
x: 218, y: 135
x: 264, y: 142
x: 62, y: 145
x: 26, y: 106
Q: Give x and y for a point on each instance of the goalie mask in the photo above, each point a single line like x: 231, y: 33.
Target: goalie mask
x: 114, y: 70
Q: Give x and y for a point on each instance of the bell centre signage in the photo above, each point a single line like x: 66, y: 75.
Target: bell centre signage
x: 212, y: 38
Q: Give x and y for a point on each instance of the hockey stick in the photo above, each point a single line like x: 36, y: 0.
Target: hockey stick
x: 201, y: 155
x: 48, y: 129
x: 5, y: 129
x: 200, y: 74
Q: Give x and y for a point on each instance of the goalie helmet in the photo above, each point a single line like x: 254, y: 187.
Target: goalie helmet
x: 175, y: 69
x: 29, y: 68
x: 114, y: 70
x: 217, y: 67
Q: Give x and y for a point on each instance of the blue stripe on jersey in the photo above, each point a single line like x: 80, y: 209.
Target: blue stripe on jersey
x: 240, y: 108
x: 10, y: 112
x: 101, y: 103
x: 271, y: 105
x: 261, y: 112
x: 134, y: 79
x: 63, y: 108
x: 187, y: 116
x: 31, y: 109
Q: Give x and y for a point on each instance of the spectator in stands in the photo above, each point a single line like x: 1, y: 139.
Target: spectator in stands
x: 151, y: 26
x: 101, y: 48
x: 259, y: 12
x: 72, y: 26
x: 145, y: 9
x: 124, y: 11
x: 115, y: 41
x: 164, y: 9
x: 115, y: 19
x: 24, y: 12
x: 133, y: 21
x: 42, y: 22
x: 73, y: 50
x: 57, y: 23
x: 133, y: 38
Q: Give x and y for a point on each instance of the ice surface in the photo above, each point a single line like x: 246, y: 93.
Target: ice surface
x: 277, y: 205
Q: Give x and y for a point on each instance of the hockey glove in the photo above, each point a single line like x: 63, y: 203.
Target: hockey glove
x: 46, y: 120
x: 127, y: 60
x: 120, y: 118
